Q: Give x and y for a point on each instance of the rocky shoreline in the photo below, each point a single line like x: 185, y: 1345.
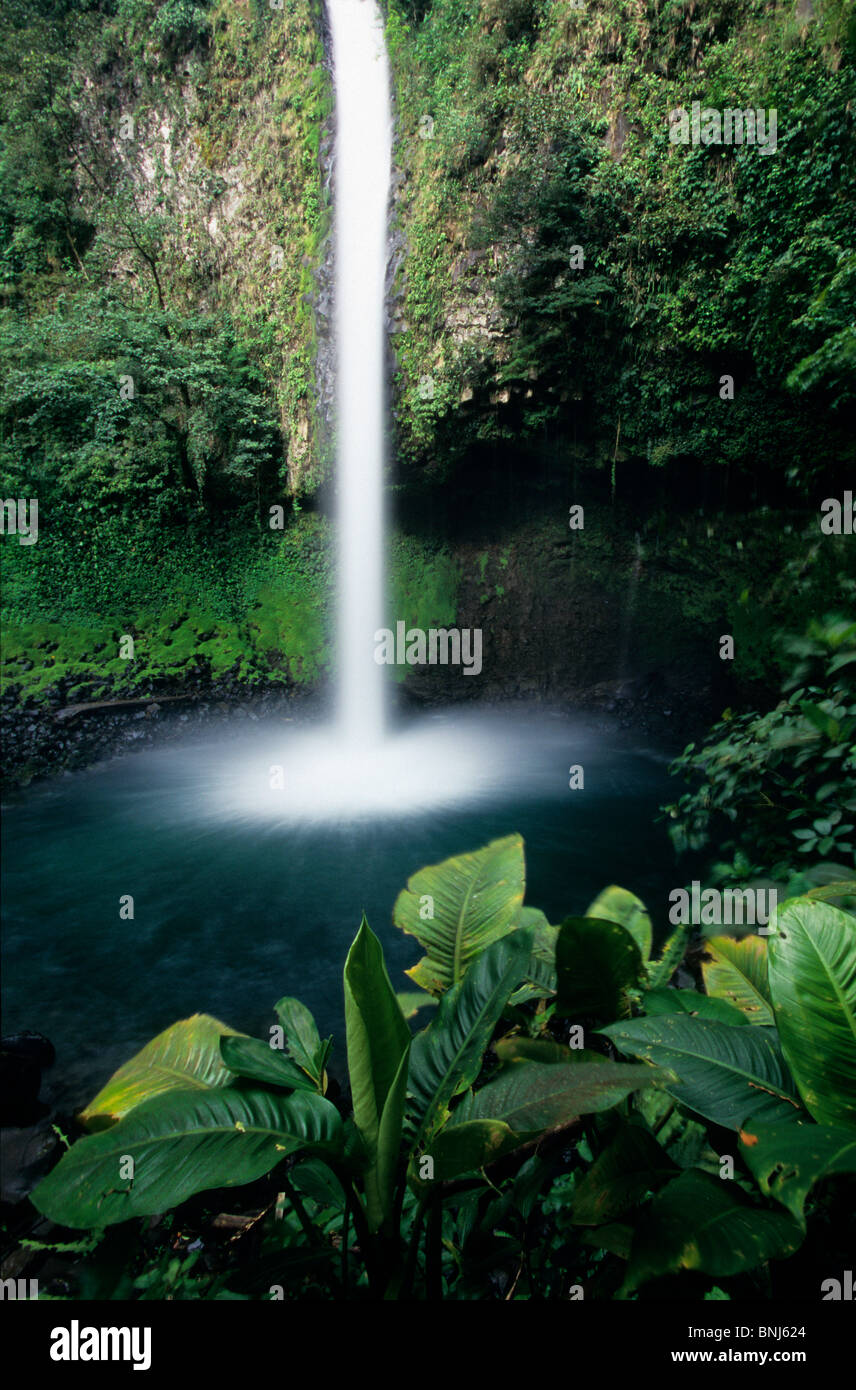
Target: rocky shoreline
x: 50, y: 738
x: 42, y: 739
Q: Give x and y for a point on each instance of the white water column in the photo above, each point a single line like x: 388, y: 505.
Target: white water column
x: 363, y: 156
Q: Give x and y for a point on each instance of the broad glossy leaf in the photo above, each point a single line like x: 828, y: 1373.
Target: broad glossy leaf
x: 812, y: 970
x: 378, y: 1046
x: 725, y: 1073
x: 531, y: 1097
x: 185, y: 1056
x: 260, y: 1062
x: 466, y: 1148
x: 787, y: 1160
x: 689, y: 1001
x: 616, y: 904
x: 314, y: 1178
x: 678, y: 1131
x: 302, y: 1039
x: 520, y: 1049
x: 541, y: 972
x: 181, y: 1143
x: 597, y: 962
x: 704, y: 1223
x: 737, y: 972
x: 447, y: 1056
x: 476, y: 900
x: 630, y: 1167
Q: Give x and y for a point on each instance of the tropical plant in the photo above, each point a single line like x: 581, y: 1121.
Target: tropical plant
x: 514, y: 1106
x: 769, y: 787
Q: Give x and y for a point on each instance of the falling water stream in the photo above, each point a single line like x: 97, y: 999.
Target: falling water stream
x: 251, y: 852
x: 362, y: 178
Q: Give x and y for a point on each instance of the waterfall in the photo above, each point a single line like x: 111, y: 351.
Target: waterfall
x: 360, y: 769
x: 363, y: 155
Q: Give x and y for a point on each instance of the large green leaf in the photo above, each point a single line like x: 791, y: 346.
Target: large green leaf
x: 541, y: 973
x: 616, y: 904
x: 302, y: 1040
x: 473, y: 900
x: 725, y: 1073
x: 466, y: 1148
x: 378, y: 1041
x: 185, y: 1056
x: 787, y: 1160
x: 521, y: 1049
x: 260, y: 1062
x: 182, y: 1143
x: 812, y: 970
x: 678, y: 1131
x: 629, y: 1168
x: 447, y: 1057
x: 707, y: 1224
x: 530, y: 1097
x: 597, y: 962
x: 689, y: 1001
x: 313, y: 1177
x: 737, y: 972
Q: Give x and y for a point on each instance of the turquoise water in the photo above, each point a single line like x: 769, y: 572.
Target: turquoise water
x: 240, y: 898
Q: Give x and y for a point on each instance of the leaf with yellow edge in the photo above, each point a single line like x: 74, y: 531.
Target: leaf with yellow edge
x: 737, y: 971
x: 465, y: 1148
x: 457, y: 908
x: 616, y: 904
x: 185, y: 1056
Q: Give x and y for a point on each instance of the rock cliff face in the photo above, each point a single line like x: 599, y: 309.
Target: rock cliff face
x: 551, y: 273
x: 571, y: 274
x: 228, y: 145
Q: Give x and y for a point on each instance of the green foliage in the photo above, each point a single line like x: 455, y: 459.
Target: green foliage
x: 598, y: 965
x: 531, y: 1097
x: 446, y: 1057
x: 787, y: 1161
x: 422, y: 587
x: 195, y: 431
x: 812, y: 974
x: 736, y: 971
x: 302, y: 1041
x: 250, y: 1057
x: 615, y: 904
x: 378, y: 1054
x: 457, y: 908
x: 179, y: 25
x: 725, y: 1073
x: 185, y: 1056
x: 182, y: 1143
x: 698, y: 1222
x: 778, y: 784
x: 433, y: 1164
x: 549, y: 130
